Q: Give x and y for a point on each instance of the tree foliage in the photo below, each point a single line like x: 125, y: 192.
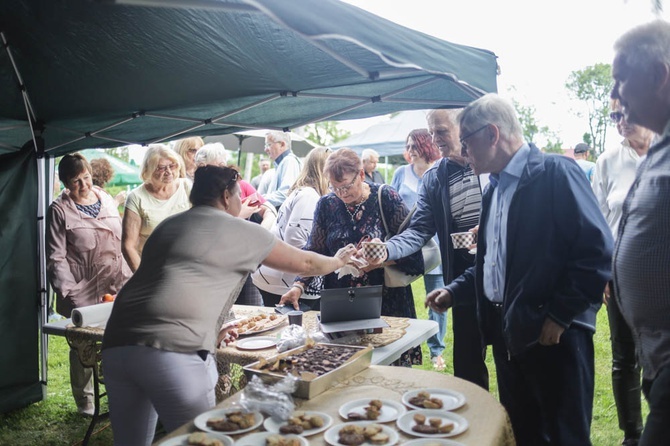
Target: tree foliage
x: 593, y: 86
x: 531, y: 128
x: 325, y: 133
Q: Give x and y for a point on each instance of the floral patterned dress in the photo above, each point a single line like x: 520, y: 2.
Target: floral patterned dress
x: 337, y: 224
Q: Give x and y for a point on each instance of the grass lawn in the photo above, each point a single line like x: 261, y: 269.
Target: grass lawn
x: 55, y: 422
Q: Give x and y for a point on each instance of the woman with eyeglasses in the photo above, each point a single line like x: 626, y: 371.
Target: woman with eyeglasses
x: 613, y: 176
x: 159, y: 344
x: 293, y: 225
x: 84, y: 259
x: 348, y: 215
x: 187, y: 148
x: 164, y: 192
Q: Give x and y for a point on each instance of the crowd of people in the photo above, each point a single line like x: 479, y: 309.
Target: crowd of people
x: 556, y: 238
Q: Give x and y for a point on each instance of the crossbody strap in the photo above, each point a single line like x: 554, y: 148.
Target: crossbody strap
x: 381, y: 209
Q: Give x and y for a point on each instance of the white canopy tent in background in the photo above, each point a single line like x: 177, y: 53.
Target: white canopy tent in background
x: 387, y: 137
x: 253, y: 142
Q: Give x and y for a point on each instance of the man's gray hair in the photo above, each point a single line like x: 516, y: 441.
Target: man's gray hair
x: 278, y: 136
x: 452, y: 113
x: 645, y: 45
x: 213, y: 153
x: 366, y: 154
x: 491, y: 109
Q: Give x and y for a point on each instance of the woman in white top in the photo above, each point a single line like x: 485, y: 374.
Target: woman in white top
x: 165, y: 192
x: 293, y: 226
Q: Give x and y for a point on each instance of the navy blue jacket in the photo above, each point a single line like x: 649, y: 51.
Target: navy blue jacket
x: 559, y: 251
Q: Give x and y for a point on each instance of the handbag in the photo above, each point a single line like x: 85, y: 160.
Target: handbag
x: 394, y: 277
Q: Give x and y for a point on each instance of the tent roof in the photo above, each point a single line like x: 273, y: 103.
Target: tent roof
x: 387, y: 138
x: 97, y: 74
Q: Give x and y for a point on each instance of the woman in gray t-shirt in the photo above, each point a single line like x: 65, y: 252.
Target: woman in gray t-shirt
x: 159, y: 343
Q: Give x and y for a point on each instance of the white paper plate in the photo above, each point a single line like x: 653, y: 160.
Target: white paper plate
x: 432, y: 442
x: 258, y: 439
x: 256, y: 343
x: 332, y: 435
x: 391, y: 410
x: 451, y: 400
x: 272, y: 425
x: 201, y: 421
x: 181, y: 440
x: 406, y: 421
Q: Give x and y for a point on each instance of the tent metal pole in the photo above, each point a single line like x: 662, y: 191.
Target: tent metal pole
x: 45, y: 169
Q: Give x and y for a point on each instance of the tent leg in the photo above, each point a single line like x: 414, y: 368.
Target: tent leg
x: 45, y: 179
x: 386, y: 171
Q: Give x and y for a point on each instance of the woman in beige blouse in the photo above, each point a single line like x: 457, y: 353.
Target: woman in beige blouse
x: 164, y: 193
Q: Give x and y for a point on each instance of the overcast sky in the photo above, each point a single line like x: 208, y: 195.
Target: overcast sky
x: 538, y: 43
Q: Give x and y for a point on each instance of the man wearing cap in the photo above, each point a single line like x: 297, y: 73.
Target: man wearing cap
x: 581, y: 156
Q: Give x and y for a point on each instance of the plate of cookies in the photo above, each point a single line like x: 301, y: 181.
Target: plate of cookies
x: 365, y: 433
x: 432, y: 423
x: 377, y: 410
x: 271, y: 439
x: 439, y: 399
x: 229, y: 421
x: 259, y: 323
x: 199, y: 439
x: 304, y: 423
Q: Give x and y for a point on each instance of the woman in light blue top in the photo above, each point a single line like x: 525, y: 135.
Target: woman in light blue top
x: 422, y: 154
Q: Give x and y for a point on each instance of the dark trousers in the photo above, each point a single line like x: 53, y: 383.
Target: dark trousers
x: 468, y: 351
x: 625, y: 372
x: 657, y: 391
x: 547, y: 391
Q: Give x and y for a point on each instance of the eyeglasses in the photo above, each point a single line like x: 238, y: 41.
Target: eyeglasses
x: 269, y: 144
x: 193, y: 151
x: 616, y: 117
x: 464, y: 145
x: 163, y: 169
x: 342, y: 189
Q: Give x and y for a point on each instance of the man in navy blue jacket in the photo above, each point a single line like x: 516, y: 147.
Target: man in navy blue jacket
x: 543, y: 258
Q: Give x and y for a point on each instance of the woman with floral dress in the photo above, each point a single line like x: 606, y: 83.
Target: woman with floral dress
x: 348, y: 214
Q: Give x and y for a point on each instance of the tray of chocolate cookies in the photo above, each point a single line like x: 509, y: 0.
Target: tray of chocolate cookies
x: 318, y: 366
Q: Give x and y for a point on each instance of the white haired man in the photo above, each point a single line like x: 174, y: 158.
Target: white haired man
x: 278, y: 147
x: 641, y: 71
x: 370, y: 159
x: 543, y: 258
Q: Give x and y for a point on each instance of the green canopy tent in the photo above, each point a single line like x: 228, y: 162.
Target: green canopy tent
x: 76, y: 74
x: 125, y: 174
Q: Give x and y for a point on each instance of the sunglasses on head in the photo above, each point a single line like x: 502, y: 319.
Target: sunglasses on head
x: 616, y: 117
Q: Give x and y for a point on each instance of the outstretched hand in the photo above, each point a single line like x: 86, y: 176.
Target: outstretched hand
x: 344, y: 254
x: 227, y: 334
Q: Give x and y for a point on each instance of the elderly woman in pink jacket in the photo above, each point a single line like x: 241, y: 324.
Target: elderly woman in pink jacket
x: 84, y: 259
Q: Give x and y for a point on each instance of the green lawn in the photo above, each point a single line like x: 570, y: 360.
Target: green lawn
x: 55, y: 422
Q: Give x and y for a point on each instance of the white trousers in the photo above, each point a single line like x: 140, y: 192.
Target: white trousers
x: 81, y: 381
x: 145, y: 384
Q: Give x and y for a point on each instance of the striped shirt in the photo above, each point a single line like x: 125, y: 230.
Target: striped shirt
x: 92, y: 210
x: 466, y: 199
x: 641, y: 264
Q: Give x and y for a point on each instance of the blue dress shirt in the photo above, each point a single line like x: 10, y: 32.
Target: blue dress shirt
x: 505, y: 184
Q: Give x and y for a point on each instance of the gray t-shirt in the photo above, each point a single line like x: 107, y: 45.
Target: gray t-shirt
x: 193, y: 265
